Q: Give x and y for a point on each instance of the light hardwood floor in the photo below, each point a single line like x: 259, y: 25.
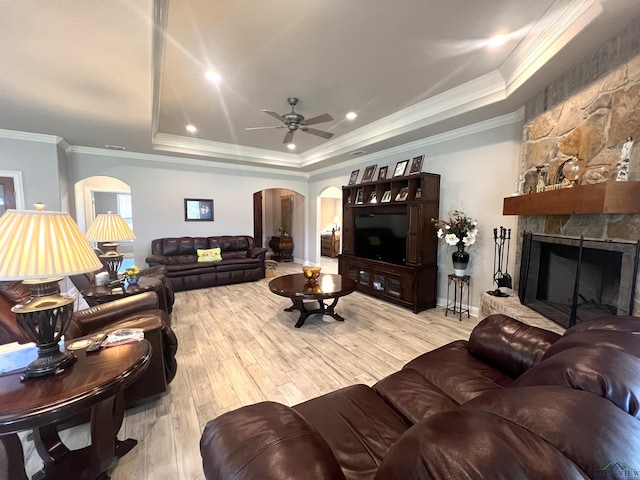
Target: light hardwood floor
x: 238, y: 346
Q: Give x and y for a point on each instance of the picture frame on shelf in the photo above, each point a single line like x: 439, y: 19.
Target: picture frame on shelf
x: 373, y: 198
x: 402, y: 194
x: 198, y: 210
x: 360, y: 197
x: 382, y: 173
x: 386, y: 197
x: 368, y: 173
x: 401, y: 166
x: 353, y: 178
x: 416, y: 165
x: 418, y: 193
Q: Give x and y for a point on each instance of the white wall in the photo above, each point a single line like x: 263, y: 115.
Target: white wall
x: 38, y: 161
x: 158, y: 190
x: 477, y: 171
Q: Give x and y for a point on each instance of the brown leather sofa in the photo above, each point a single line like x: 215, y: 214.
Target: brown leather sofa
x: 137, y: 311
x: 241, y: 260
x: 513, y: 402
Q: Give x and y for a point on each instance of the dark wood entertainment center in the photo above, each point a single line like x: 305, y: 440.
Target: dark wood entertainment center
x: 413, y: 283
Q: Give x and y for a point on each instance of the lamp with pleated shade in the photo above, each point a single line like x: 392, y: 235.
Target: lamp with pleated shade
x: 111, y: 228
x: 40, y: 248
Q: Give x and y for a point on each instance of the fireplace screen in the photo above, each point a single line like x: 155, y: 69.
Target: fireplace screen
x: 572, y: 280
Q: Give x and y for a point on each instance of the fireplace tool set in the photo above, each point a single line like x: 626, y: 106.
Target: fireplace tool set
x: 502, y: 279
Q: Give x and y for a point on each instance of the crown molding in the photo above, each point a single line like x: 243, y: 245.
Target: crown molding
x: 412, y: 147
x: 150, y: 157
x: 32, y: 137
x: 551, y: 33
x: 194, y: 146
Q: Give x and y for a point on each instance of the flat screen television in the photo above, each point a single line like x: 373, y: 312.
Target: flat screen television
x: 381, y: 236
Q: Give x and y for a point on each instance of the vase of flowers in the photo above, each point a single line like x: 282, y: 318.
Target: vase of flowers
x: 459, y: 231
x: 131, y: 275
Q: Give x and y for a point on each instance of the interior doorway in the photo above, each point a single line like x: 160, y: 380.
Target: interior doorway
x: 96, y: 195
x: 267, y: 218
x: 330, y: 219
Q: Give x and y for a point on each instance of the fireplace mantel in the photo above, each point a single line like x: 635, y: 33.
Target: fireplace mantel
x: 607, y: 197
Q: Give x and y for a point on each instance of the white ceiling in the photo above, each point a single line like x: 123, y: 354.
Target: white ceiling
x: 131, y: 72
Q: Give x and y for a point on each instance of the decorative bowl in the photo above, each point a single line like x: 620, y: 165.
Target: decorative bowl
x: 311, y: 273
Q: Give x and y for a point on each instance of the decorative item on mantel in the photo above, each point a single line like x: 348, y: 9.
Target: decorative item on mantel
x: 459, y: 231
x: 622, y: 166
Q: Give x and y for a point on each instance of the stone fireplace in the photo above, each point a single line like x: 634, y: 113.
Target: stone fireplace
x: 589, y: 111
x: 571, y: 280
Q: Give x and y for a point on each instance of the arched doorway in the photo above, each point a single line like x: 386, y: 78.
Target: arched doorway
x: 329, y: 215
x: 100, y: 194
x: 268, y: 222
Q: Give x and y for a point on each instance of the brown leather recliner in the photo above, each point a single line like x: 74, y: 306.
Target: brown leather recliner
x: 137, y: 311
x: 514, y: 401
x: 166, y: 294
x: 241, y: 260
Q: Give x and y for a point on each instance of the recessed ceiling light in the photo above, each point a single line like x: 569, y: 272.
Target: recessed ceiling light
x: 213, y: 76
x: 497, y: 40
x: 351, y: 115
x: 115, y: 147
x: 357, y: 152
x: 191, y: 128
x: 291, y: 146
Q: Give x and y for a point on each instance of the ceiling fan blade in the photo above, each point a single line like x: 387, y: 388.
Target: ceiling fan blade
x: 265, y: 128
x: 274, y: 115
x: 325, y: 117
x: 288, y: 138
x: 319, y: 133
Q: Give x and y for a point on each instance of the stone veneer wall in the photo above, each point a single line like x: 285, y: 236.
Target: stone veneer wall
x: 588, y: 112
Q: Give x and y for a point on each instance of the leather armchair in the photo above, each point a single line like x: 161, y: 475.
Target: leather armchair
x: 166, y: 296
x: 137, y: 311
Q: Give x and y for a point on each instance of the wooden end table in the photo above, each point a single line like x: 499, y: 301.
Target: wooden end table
x: 98, y: 294
x: 328, y: 286
x: 94, y: 382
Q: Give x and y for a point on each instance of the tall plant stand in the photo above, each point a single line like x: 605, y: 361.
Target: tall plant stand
x: 459, y: 285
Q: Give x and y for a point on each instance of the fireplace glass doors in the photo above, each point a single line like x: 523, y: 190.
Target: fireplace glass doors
x: 572, y: 280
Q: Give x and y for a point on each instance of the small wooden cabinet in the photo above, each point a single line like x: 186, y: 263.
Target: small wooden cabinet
x: 330, y: 244
x: 414, y: 283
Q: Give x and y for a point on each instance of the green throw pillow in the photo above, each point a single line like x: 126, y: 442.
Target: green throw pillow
x: 209, y: 255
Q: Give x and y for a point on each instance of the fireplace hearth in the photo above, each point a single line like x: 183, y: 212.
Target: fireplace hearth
x: 571, y: 280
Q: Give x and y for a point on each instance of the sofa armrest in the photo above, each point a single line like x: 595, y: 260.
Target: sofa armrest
x: 508, y: 344
x: 256, y: 252
x: 96, y: 318
x: 265, y: 441
x: 155, y: 260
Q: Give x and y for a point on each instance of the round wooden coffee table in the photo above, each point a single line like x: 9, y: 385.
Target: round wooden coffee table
x: 94, y: 382
x: 328, y: 286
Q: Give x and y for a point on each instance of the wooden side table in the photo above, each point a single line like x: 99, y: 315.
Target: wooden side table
x: 459, y: 284
x: 94, y: 382
x: 282, y: 248
x: 98, y: 294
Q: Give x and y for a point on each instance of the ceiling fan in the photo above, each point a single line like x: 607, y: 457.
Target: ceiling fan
x: 294, y: 121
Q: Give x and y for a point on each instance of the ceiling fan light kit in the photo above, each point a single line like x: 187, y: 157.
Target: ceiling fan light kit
x: 293, y: 121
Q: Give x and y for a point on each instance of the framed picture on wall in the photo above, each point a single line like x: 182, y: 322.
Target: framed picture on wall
x: 198, y: 210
